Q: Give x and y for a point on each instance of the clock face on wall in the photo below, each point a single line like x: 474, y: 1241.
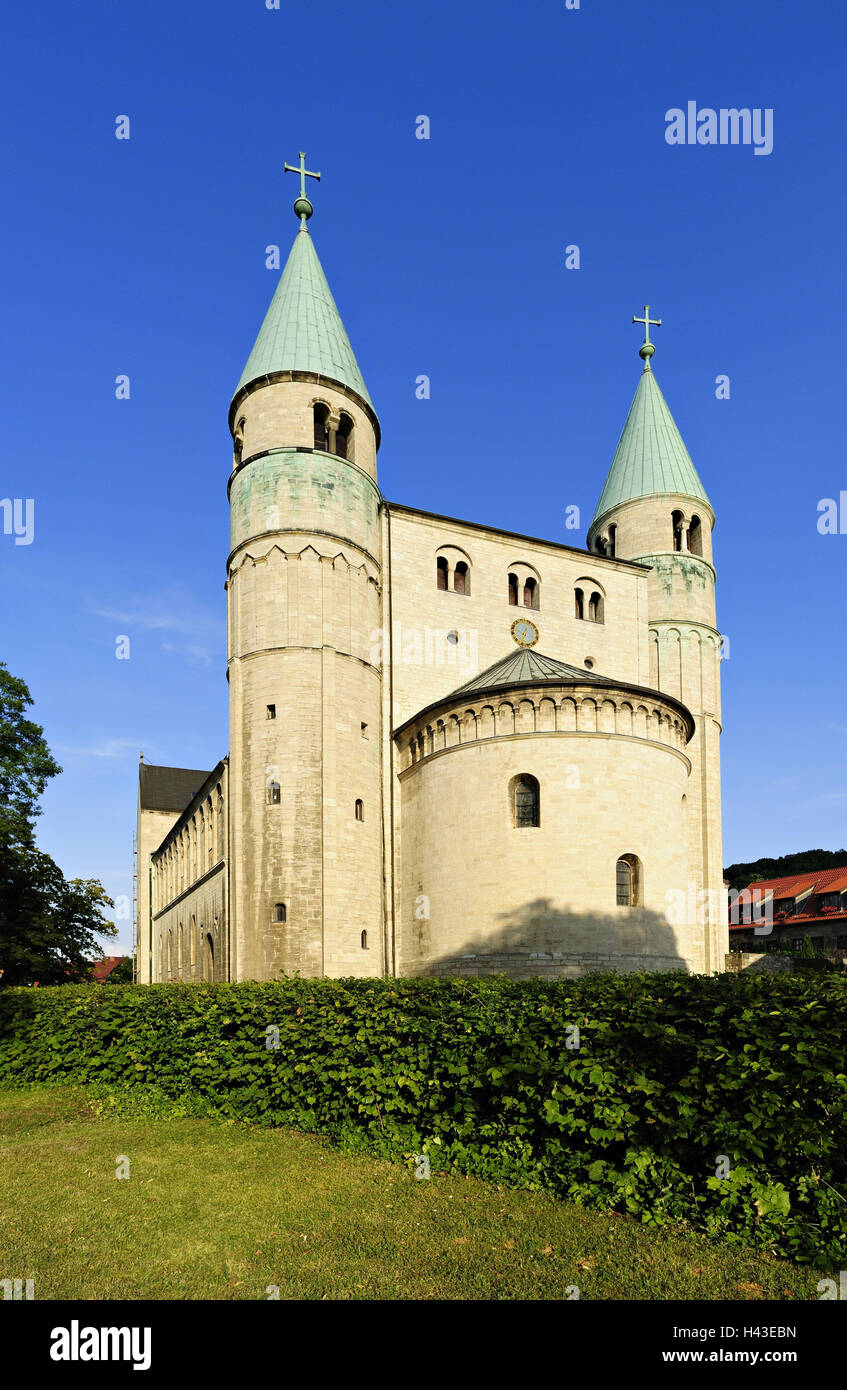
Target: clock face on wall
x: 524, y: 632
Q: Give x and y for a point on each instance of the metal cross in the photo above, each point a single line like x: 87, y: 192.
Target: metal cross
x: 302, y: 171
x: 646, y: 320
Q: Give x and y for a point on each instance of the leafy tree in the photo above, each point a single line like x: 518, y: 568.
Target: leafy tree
x: 26, y: 763
x: 48, y: 925
x: 122, y: 973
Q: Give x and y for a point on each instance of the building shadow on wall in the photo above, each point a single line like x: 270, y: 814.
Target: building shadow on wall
x: 540, y: 939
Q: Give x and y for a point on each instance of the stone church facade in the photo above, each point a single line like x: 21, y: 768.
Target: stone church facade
x: 452, y: 749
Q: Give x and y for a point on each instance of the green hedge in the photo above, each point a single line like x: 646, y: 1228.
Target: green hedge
x: 671, y: 1072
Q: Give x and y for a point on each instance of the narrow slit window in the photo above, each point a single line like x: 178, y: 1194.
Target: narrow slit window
x: 271, y: 711
x: 360, y: 810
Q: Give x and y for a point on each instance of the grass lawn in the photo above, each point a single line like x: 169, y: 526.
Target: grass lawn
x: 222, y: 1212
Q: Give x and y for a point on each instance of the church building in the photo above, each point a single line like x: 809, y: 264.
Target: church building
x: 453, y: 750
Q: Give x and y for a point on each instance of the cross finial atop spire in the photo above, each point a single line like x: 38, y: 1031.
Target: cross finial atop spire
x: 302, y: 207
x: 645, y: 352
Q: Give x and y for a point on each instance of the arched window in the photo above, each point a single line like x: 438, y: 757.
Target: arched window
x: 441, y: 569
x: 170, y: 954
x: 461, y: 578
x: 344, y: 437
x: 364, y: 941
x: 579, y: 603
x: 513, y: 589
x: 695, y: 536
x: 595, y: 608
x: 274, y: 794
x: 280, y: 912
x: 612, y: 542
x: 678, y: 526
x: 321, y: 416
x: 628, y: 881
x: 360, y: 810
x: 526, y: 802
x: 208, y: 958
x: 238, y: 443
x: 179, y: 951
x: 530, y: 592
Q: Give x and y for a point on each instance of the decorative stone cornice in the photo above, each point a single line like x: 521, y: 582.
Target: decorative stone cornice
x: 611, y: 711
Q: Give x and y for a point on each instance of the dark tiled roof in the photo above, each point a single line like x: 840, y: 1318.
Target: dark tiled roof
x: 526, y: 667
x: 168, y: 788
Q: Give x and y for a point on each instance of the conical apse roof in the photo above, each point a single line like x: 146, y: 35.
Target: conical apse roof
x: 651, y: 458
x: 302, y: 330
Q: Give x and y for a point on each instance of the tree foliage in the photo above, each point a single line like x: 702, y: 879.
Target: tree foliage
x: 48, y: 925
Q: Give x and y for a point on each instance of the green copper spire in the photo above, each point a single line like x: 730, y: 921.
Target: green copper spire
x: 302, y: 331
x: 651, y: 460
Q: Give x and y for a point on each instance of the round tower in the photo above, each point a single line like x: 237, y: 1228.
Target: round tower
x: 655, y: 510
x: 303, y: 590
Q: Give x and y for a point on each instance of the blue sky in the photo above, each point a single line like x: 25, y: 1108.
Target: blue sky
x: 446, y: 257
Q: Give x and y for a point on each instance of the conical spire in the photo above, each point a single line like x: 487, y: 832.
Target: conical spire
x: 302, y: 330
x: 651, y: 459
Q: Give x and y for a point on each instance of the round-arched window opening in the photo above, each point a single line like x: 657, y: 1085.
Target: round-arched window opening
x: 321, y: 417
x: 525, y: 800
x: 280, y: 912
x: 628, y: 881
x: 453, y: 638
x: 462, y: 578
x: 344, y: 437
x: 589, y: 662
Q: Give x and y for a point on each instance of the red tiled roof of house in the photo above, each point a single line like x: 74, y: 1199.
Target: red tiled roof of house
x: 808, y: 885
x: 103, y: 968
x: 822, y: 881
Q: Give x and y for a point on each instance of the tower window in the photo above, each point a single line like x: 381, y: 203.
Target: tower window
x: 627, y: 881
x: 321, y: 416
x: 525, y: 802
x: 271, y: 711
x: 441, y: 572
x: 612, y: 542
x: 695, y: 536
x: 595, y: 608
x: 364, y: 941
x: 678, y: 527
x: 579, y: 603
x: 344, y: 437
x: 364, y: 730
x: 360, y: 810
x: 513, y: 589
x: 274, y: 794
x: 280, y: 912
x: 461, y: 578
x: 530, y: 593
x: 238, y: 443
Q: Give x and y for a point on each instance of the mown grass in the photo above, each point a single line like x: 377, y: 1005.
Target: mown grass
x: 221, y: 1211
